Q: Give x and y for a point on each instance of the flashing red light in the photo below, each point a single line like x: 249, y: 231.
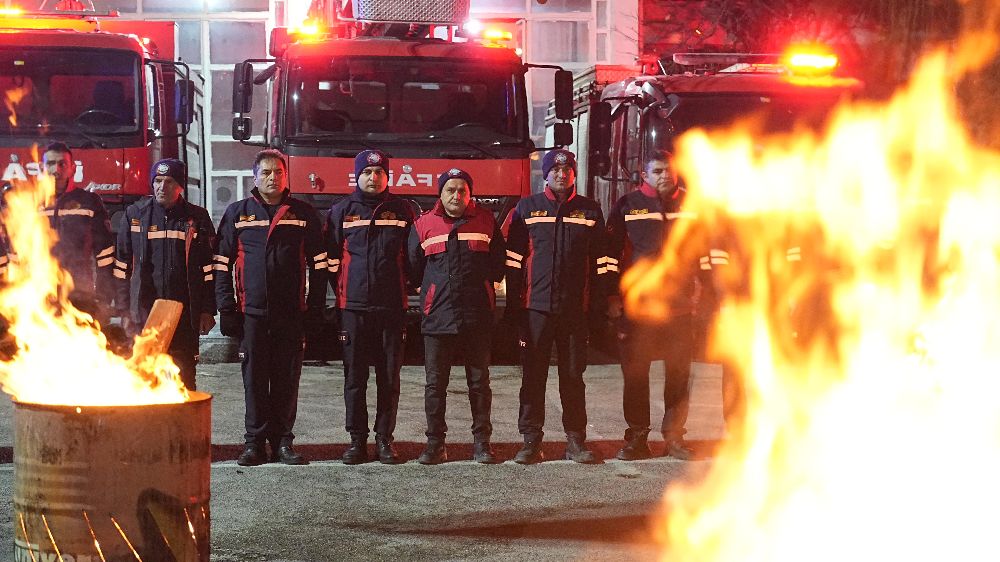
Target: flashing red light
x: 810, y: 59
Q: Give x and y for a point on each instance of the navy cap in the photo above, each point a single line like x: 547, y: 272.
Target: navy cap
x: 451, y: 174
x: 169, y: 167
x: 557, y: 157
x: 368, y: 158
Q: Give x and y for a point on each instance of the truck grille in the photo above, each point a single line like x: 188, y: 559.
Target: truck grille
x: 453, y: 12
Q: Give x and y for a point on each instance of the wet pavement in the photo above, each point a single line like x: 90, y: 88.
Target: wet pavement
x: 459, y: 510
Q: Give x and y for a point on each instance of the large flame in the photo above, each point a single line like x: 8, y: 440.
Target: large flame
x: 872, y: 429
x: 61, y: 356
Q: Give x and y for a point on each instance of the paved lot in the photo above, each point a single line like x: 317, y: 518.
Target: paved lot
x: 460, y: 510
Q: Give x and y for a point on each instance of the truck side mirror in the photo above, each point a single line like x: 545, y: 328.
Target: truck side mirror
x: 241, y: 128
x: 562, y: 134
x: 564, y: 95
x: 184, y: 101
x: 599, y: 136
x: 243, y: 87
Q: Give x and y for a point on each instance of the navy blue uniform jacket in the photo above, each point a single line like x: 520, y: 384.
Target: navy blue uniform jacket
x: 86, y: 247
x: 366, y: 241
x: 267, y: 258
x: 556, y: 253
x: 188, y: 239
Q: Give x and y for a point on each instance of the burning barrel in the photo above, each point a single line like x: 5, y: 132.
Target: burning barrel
x: 112, y: 483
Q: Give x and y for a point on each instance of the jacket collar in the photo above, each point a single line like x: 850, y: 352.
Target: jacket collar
x: 470, y: 210
x: 256, y: 195
x: 552, y: 196
x: 675, y: 199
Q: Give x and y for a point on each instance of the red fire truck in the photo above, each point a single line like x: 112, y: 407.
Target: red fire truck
x: 109, y: 89
x: 432, y: 104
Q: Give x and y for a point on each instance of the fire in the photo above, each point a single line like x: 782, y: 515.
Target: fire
x: 12, y: 99
x: 870, y: 366
x: 61, y: 354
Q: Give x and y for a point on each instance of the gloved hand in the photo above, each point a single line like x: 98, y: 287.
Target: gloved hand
x: 231, y: 323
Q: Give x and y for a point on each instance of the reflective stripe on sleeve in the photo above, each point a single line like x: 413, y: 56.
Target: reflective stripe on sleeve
x: 434, y: 240
x: 474, y: 236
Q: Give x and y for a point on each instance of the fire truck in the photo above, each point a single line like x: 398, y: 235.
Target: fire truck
x: 108, y: 89
x: 622, y: 116
x: 430, y: 103
x: 382, y: 76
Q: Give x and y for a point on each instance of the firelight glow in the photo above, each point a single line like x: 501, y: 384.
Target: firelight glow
x: 870, y: 366
x: 60, y: 354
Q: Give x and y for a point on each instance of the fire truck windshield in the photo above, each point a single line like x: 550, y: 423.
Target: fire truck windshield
x: 69, y: 92
x: 765, y: 114
x: 388, y: 100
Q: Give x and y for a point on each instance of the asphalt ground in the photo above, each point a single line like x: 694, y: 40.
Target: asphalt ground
x: 460, y: 510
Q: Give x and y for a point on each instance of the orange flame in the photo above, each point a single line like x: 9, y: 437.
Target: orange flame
x: 61, y: 354
x: 870, y: 367
x: 11, y: 100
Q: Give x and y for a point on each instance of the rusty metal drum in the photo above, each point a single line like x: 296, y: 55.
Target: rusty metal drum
x: 113, y: 483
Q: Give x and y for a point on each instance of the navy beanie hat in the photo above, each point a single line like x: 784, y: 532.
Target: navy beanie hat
x: 169, y: 167
x: 451, y: 174
x: 556, y: 157
x: 367, y: 158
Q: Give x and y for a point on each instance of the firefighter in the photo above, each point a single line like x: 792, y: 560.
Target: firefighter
x: 366, y: 238
x: 268, y: 243
x: 638, y: 226
x: 164, y: 251
x: 555, y: 271
x: 85, y: 246
x: 456, y: 253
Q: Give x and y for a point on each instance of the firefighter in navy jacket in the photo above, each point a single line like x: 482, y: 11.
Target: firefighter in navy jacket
x: 556, y: 268
x: 456, y: 253
x: 164, y: 251
x: 366, y: 240
x: 85, y: 246
x: 638, y: 226
x: 267, y: 244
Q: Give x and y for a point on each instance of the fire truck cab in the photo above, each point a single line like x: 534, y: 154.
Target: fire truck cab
x: 622, y: 119
x: 430, y: 103
x: 116, y: 98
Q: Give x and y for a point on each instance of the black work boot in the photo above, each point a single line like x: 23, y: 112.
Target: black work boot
x: 357, y: 453
x: 386, y: 451
x: 677, y: 449
x: 252, y: 455
x: 531, y: 453
x: 577, y: 451
x: 286, y: 455
x: 636, y: 446
x: 434, y: 453
x: 482, y: 452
